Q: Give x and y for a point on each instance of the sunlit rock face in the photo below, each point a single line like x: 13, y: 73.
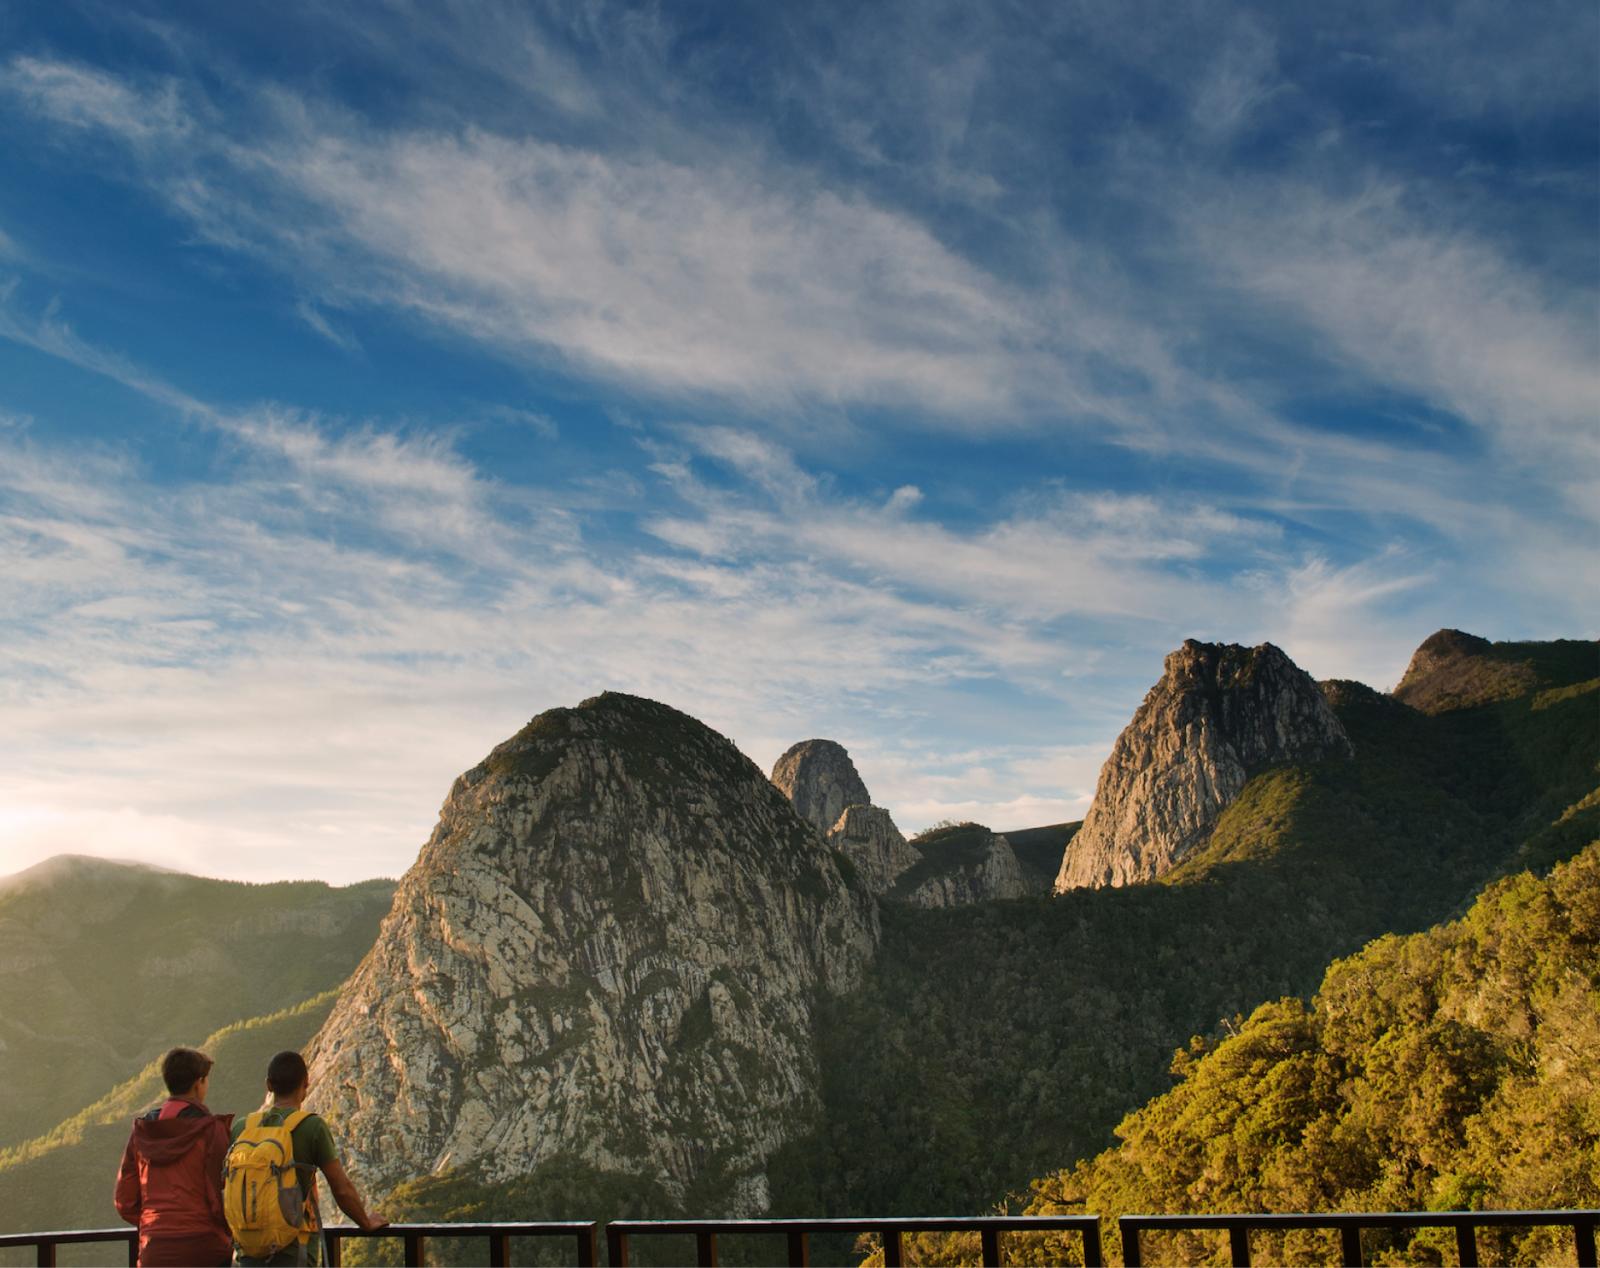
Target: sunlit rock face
x: 821, y: 781
x: 1220, y: 713
x: 610, y: 948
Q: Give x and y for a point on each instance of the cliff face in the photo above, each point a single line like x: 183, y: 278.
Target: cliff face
x: 1220, y: 713
x: 866, y: 835
x: 610, y: 948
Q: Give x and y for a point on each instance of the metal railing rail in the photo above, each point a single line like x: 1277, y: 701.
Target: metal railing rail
x: 46, y: 1243
x: 798, y: 1234
x: 415, y: 1236
x: 1351, y: 1223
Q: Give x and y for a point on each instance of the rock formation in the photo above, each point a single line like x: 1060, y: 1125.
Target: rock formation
x: 1220, y: 713
x: 819, y: 778
x: 822, y: 782
x: 610, y: 949
x: 964, y: 863
x: 866, y: 835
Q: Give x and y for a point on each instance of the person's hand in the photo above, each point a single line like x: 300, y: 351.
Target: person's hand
x: 373, y: 1222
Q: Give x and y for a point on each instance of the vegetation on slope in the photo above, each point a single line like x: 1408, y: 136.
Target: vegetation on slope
x: 995, y: 1043
x: 1458, y: 1068
x: 104, y: 966
x: 64, y: 1178
x: 1039, y: 851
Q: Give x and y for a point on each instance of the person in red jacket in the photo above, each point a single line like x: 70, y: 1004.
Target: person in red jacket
x: 170, y: 1184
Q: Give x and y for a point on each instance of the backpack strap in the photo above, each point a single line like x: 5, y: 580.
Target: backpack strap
x: 295, y: 1118
x: 253, y: 1120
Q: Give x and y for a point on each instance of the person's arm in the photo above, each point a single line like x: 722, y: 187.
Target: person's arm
x: 344, y: 1193
x: 128, y: 1199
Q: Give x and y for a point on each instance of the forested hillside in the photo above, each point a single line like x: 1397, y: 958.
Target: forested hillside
x: 104, y: 966
x: 63, y: 1179
x: 1458, y: 1068
x: 994, y: 1044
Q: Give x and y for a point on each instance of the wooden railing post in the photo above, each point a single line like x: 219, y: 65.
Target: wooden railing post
x: 799, y: 1249
x: 586, y: 1248
x: 616, y: 1246
x: 1239, y: 1245
x: 414, y: 1247
x: 1350, y: 1245
x: 1093, y: 1256
x: 1583, y: 1233
x: 705, y: 1250
x: 46, y: 1253
x: 1132, y: 1253
x: 1467, y: 1244
x: 990, y: 1240
x: 893, y: 1253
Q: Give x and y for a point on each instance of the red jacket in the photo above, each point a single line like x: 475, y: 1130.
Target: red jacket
x: 170, y: 1184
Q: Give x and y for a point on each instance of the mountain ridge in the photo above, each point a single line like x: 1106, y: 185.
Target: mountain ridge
x: 1013, y: 1035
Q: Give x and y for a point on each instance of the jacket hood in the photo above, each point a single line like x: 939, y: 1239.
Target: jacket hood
x: 161, y: 1142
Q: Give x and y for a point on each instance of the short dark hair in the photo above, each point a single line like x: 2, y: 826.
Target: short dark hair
x: 182, y: 1068
x: 286, y: 1072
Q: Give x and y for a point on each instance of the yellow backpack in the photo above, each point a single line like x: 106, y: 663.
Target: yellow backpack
x: 262, y: 1196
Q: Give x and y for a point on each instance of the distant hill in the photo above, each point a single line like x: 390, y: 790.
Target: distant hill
x: 105, y: 965
x: 622, y: 948
x: 64, y: 1179
x: 1455, y: 670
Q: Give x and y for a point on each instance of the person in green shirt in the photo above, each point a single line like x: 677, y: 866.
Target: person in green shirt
x: 288, y: 1082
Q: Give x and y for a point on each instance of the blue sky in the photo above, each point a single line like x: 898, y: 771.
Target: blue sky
x: 375, y: 377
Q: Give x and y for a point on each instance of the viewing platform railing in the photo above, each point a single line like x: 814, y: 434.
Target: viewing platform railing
x: 416, y: 1237
x: 797, y: 1233
x: 1350, y: 1224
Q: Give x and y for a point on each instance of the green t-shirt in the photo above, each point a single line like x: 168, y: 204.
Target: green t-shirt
x: 313, y: 1143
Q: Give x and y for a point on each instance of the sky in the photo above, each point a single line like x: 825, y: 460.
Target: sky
x: 917, y: 375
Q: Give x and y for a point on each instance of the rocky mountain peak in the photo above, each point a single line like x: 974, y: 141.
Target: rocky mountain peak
x: 821, y: 780
x: 1220, y: 713
x: 618, y: 928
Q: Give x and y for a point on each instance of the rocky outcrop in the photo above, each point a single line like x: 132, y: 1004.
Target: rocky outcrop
x: 821, y: 781
x: 1220, y: 713
x: 960, y: 864
x: 610, y: 949
x: 1455, y: 670
x: 866, y: 835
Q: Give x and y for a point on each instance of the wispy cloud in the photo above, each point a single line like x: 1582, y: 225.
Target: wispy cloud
x: 268, y: 645
x: 83, y: 97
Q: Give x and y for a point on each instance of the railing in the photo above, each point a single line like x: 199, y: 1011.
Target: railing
x: 416, y: 1237
x: 1350, y: 1224
x: 798, y: 1234
x: 46, y: 1243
